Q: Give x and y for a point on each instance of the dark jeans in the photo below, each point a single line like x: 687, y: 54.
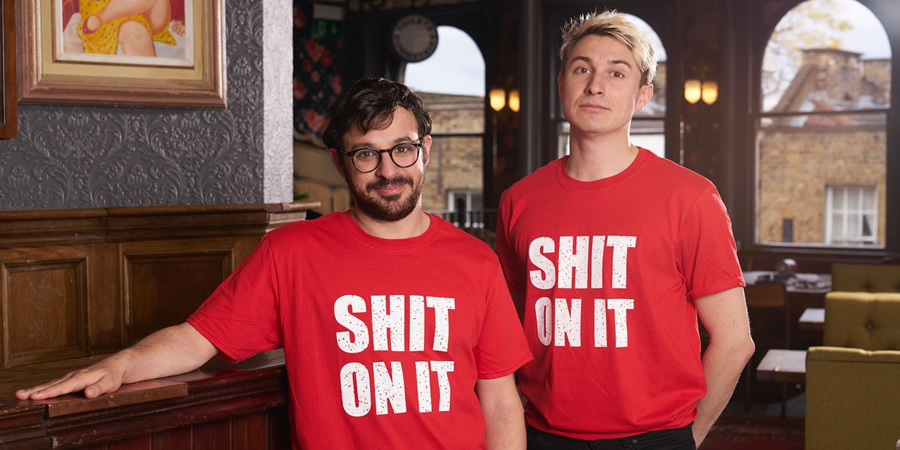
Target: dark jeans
x: 678, y: 439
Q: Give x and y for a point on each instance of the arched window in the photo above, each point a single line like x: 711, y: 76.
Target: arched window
x: 647, y: 126
x: 451, y: 83
x: 821, y: 138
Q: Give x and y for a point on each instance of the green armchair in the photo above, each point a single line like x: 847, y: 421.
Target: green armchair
x: 853, y: 380
x: 856, y: 277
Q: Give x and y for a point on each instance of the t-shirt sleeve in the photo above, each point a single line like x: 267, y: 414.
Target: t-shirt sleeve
x: 709, y: 254
x: 513, y: 270
x: 501, y: 347
x: 241, y: 317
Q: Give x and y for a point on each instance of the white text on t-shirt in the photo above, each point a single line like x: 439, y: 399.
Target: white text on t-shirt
x: 387, y: 333
x: 579, y: 264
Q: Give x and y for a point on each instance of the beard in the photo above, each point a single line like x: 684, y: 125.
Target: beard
x: 391, y: 208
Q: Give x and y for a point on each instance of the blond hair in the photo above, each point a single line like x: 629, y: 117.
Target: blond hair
x: 613, y: 24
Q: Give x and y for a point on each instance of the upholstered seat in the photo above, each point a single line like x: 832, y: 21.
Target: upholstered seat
x: 853, y: 381
x: 852, y: 277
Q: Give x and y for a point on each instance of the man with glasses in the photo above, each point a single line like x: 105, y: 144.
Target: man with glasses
x: 398, y: 329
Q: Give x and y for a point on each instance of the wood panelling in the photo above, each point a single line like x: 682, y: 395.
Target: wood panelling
x: 44, y: 301
x: 249, y: 431
x: 168, y: 439
x: 75, y: 283
x: 157, y: 271
x: 212, y: 435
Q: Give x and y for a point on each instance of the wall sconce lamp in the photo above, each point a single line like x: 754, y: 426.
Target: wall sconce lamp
x: 514, y: 100
x: 499, y: 99
x: 695, y: 90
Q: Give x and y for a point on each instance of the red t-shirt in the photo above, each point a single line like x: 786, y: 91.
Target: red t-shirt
x: 383, y: 339
x: 609, y: 269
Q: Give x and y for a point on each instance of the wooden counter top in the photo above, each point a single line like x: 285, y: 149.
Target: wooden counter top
x: 215, y: 391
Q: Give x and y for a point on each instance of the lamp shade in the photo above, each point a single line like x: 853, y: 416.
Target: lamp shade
x: 710, y: 92
x: 514, y: 100
x: 692, y: 90
x: 498, y: 98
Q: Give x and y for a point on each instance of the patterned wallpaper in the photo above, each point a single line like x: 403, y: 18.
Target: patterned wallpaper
x: 82, y: 157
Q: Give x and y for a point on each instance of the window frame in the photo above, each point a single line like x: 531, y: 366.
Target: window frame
x: 758, y: 20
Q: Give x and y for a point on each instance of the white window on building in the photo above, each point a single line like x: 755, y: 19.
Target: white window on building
x: 465, y: 207
x: 852, y: 213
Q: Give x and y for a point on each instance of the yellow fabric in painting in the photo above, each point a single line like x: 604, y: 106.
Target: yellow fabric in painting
x: 106, y: 38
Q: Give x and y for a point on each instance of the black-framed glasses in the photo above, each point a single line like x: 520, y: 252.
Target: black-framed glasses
x: 403, y: 155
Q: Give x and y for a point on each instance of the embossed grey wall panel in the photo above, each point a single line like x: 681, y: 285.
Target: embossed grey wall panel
x: 78, y: 157
x: 278, y: 65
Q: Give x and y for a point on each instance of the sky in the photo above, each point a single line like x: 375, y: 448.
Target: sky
x: 867, y: 36
x: 457, y: 66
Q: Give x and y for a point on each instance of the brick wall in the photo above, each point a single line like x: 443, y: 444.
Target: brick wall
x: 456, y: 161
x: 797, y: 164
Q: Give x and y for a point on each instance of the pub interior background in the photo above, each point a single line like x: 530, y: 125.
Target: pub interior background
x: 811, y: 175
x: 53, y: 163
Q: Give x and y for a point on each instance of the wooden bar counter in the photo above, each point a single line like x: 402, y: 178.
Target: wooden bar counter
x: 79, y: 284
x: 220, y: 405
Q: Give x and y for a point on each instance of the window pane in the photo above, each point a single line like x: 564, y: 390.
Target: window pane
x: 853, y: 225
x: 815, y: 53
x: 821, y: 140
x: 455, y: 164
x: 837, y: 228
x: 828, y: 119
x: 853, y: 201
x: 456, y: 67
x: 656, y: 108
x: 454, y: 114
x: 867, y: 226
x: 840, y: 201
x: 451, y: 84
x: 869, y: 202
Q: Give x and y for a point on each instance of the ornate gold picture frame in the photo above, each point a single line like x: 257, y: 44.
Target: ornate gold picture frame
x: 78, y: 52
x: 8, y: 118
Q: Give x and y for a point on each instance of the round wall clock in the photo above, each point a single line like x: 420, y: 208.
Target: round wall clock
x: 414, y: 38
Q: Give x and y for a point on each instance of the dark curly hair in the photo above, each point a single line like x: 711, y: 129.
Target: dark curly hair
x: 370, y: 103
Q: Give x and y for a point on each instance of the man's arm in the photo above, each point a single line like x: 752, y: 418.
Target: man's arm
x: 169, y: 351
x: 503, y: 414
x: 724, y: 315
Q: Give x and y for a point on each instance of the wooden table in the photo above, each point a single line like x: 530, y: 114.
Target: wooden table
x: 784, y: 366
x: 812, y: 319
x: 803, y: 291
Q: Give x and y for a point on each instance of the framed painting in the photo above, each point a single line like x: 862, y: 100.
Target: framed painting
x: 8, y: 118
x: 124, y: 53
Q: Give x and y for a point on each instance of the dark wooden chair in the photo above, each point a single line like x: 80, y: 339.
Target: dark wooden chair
x: 770, y: 326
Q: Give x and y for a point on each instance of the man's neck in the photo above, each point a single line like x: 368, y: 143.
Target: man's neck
x: 415, y: 224
x: 594, y: 158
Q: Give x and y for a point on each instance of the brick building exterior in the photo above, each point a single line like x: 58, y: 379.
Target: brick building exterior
x: 454, y: 178
x: 802, y: 157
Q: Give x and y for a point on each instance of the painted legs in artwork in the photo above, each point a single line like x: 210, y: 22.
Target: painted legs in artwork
x: 134, y: 24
